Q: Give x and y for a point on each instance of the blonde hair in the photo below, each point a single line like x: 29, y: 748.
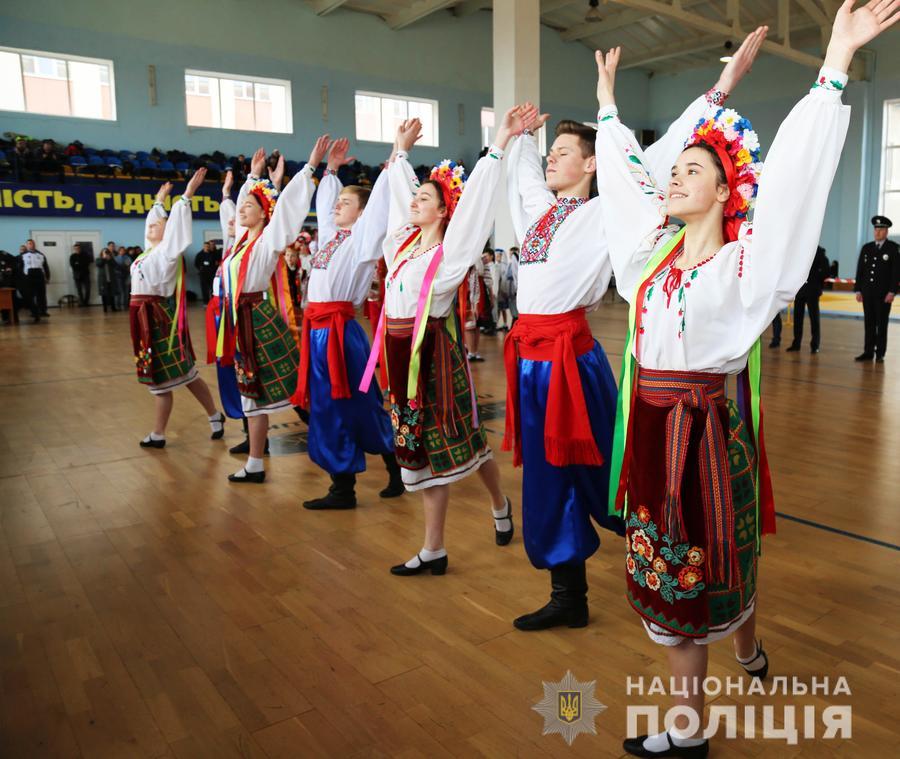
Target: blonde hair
x: 362, y: 194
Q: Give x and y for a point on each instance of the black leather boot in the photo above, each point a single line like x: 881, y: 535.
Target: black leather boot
x: 341, y: 494
x: 395, y: 487
x: 568, y: 601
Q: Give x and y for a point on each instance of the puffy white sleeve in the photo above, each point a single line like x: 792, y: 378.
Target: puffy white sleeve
x: 402, y: 187
x: 780, y: 244
x: 662, y: 154
x: 371, y: 227
x: 326, y: 197
x: 526, y: 186
x: 242, y: 196
x: 178, y: 233
x: 632, y: 205
x: 227, y: 213
x: 290, y: 212
x: 157, y: 212
x: 471, y: 224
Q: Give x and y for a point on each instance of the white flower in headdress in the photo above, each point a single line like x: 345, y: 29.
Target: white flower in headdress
x: 729, y: 117
x: 751, y: 140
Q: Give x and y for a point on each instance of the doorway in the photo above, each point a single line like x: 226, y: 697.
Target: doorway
x: 57, y: 247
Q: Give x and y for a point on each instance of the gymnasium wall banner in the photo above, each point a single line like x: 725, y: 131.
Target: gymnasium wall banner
x: 124, y: 199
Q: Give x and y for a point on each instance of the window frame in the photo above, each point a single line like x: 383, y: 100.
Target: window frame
x: 435, y: 104
x: 886, y: 148
x: 253, y: 80
x: 67, y: 57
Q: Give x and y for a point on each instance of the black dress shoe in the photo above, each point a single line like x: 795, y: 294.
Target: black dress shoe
x: 635, y: 747
x: 864, y: 357
x: 393, y: 490
x: 761, y: 670
x: 437, y: 567
x: 792, y: 348
x: 151, y: 443
x: 395, y: 487
x: 219, y: 434
x: 245, y: 447
x: 503, y: 538
x: 341, y: 494
x: 775, y: 343
x: 256, y: 477
x: 568, y: 605
x: 814, y: 350
x: 879, y: 359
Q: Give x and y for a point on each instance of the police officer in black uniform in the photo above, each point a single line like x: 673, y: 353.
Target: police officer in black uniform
x: 807, y: 299
x: 877, y: 281
x: 37, y: 275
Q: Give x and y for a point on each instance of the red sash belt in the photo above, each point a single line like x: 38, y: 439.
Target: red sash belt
x: 333, y: 315
x: 560, y: 338
x: 683, y: 391
x: 212, y: 328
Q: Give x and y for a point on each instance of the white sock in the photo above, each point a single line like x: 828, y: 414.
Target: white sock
x: 425, y: 555
x: 660, y: 741
x: 253, y: 465
x: 216, y: 421
x: 502, y: 521
x: 680, y: 740
x: 753, y: 662
x: 154, y: 436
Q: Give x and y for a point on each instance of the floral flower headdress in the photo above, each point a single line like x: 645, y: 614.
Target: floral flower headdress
x: 732, y: 137
x: 264, y: 191
x: 451, y: 176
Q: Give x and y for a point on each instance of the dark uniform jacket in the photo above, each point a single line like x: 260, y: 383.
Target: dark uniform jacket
x: 818, y: 272
x: 878, y: 271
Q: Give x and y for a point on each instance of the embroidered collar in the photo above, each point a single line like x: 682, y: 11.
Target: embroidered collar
x: 323, y: 255
x: 536, y: 245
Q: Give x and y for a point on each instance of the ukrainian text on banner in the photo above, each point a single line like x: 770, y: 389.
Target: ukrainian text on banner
x: 123, y: 199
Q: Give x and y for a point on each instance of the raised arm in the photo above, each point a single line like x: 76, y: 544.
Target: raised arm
x: 227, y: 208
x: 372, y: 225
x: 330, y: 188
x: 526, y: 185
x: 178, y: 232
x: 157, y: 212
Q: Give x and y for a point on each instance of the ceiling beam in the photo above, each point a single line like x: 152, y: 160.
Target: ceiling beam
x: 416, y: 12
x: 783, y: 27
x: 468, y: 7
x: 696, y: 45
x: 324, y: 7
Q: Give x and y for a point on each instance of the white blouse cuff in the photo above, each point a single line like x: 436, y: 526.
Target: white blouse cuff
x: 401, y: 154
x: 495, y: 152
x: 607, y: 112
x: 830, y: 80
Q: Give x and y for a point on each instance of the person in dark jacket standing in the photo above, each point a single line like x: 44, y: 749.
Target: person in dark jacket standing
x: 877, y: 281
x: 207, y: 262
x: 37, y: 275
x: 123, y: 277
x: 9, y: 274
x: 808, y: 298
x: 81, y: 261
x: 107, y: 279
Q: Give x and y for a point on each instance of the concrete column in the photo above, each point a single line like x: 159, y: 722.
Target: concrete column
x: 517, y: 78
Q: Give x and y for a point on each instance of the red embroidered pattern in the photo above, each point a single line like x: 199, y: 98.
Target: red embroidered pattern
x: 537, y: 241
x: 323, y: 255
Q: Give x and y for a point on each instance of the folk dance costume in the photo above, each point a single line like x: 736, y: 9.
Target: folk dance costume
x: 561, y: 393
x: 254, y: 333
x: 160, y: 338
x: 434, y: 414
x: 345, y: 423
x: 689, y: 463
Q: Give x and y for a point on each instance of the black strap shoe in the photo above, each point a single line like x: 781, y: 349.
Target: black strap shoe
x: 635, y: 747
x: 219, y: 434
x: 758, y: 669
x: 244, y: 447
x: 244, y: 476
x: 568, y: 601
x: 151, y: 443
x: 503, y: 538
x: 395, y: 487
x: 437, y: 567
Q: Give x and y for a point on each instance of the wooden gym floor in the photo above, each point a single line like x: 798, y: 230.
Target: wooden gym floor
x: 148, y: 608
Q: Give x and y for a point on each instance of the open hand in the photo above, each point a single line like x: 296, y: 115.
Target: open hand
x: 742, y: 61
x: 337, y: 154
x: 276, y: 175
x: 606, y: 75
x: 258, y: 162
x: 319, y: 150
x: 163, y: 192
x: 195, y: 181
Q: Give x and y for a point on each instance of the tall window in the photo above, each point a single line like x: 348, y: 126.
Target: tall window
x: 487, y: 131
x: 890, y: 167
x: 228, y: 101
x: 56, y: 84
x: 379, y: 115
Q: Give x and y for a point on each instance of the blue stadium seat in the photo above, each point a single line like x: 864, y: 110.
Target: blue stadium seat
x: 77, y: 160
x: 142, y: 155
x: 182, y: 166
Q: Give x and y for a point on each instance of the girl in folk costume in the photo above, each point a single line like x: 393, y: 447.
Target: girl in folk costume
x: 227, y: 379
x: 437, y: 232
x: 256, y: 332
x: 344, y: 422
x: 561, y: 394
x: 159, y: 328
x: 690, y: 465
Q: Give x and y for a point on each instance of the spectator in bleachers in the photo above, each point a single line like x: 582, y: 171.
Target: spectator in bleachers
x: 47, y: 159
x: 123, y: 277
x: 107, y: 279
x: 207, y: 262
x: 80, y: 261
x: 21, y: 160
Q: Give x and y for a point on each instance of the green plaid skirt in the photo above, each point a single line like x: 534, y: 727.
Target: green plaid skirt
x: 156, y: 362
x: 267, y: 357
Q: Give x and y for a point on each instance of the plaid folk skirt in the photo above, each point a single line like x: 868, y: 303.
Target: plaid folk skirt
x: 267, y: 356
x: 691, y: 574
x: 435, y: 436
x: 158, y: 365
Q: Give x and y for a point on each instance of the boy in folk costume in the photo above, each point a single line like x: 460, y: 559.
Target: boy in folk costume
x: 690, y: 464
x: 159, y: 328
x: 344, y: 422
x: 256, y: 329
x: 561, y: 395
